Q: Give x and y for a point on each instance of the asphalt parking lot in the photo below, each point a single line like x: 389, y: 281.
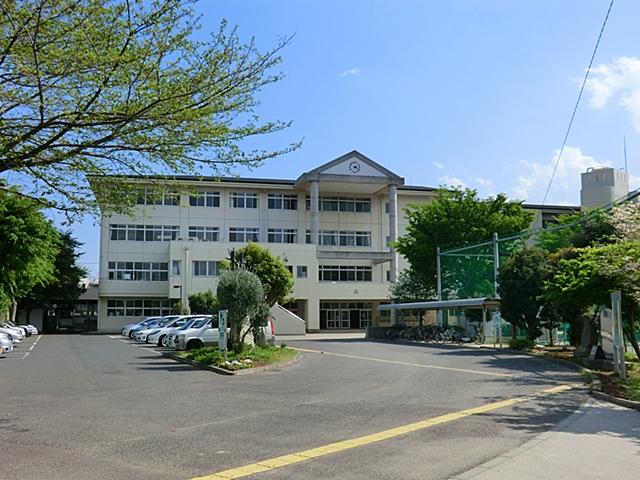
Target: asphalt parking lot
x: 101, y: 407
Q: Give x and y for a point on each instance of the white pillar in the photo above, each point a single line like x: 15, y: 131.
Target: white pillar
x: 315, y: 211
x: 393, y: 230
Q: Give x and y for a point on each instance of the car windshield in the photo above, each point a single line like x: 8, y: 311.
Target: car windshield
x: 166, y: 321
x: 199, y: 322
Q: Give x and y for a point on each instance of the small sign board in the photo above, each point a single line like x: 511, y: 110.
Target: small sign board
x: 222, y: 329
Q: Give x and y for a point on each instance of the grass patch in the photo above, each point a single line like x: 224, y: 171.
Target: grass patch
x: 632, y: 384
x: 631, y: 357
x: 250, y: 357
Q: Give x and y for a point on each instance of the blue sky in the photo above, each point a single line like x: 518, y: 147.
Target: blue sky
x: 477, y: 92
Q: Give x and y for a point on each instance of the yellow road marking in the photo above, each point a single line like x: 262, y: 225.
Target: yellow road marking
x: 303, y: 456
x: 407, y: 364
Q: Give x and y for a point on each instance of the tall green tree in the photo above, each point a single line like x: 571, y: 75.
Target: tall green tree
x: 95, y: 90
x: 521, y: 281
x: 29, y: 245
x: 455, y: 218
x: 204, y: 303
x: 65, y: 286
x: 276, y: 279
x: 240, y: 292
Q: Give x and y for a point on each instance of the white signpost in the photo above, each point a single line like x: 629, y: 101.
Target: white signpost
x: 618, y: 336
x: 222, y: 331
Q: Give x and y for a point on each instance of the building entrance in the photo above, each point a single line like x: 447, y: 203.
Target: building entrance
x: 345, y: 315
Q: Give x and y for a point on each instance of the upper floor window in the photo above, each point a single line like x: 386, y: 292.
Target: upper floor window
x: 244, y: 234
x: 282, y: 235
x: 281, y: 201
x: 244, y: 200
x: 144, y: 233
x: 206, y: 234
x: 354, y: 239
x: 144, y: 271
x: 206, y: 268
x: 120, y: 307
x: 149, y: 197
x: 344, y: 273
x: 203, y: 198
x: 342, y: 204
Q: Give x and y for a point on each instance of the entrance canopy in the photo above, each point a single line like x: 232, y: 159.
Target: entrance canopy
x: 470, y: 303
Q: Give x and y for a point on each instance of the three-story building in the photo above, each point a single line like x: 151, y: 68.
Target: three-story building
x: 332, y: 227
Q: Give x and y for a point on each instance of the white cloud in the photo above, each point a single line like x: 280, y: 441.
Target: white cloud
x: 354, y: 72
x: 438, y: 165
x: 620, y: 78
x: 533, y: 178
x: 451, y: 181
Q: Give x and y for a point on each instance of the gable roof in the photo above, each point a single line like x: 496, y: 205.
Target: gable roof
x: 325, y: 169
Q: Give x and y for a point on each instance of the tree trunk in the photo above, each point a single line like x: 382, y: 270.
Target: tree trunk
x: 14, y: 310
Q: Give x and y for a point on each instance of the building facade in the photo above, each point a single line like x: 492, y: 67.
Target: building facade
x: 332, y: 227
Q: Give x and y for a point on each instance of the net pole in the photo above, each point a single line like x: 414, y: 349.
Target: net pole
x: 438, y: 284
x: 496, y: 264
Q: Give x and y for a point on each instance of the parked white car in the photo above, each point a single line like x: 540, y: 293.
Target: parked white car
x: 22, y: 328
x: 209, y: 335
x: 194, y: 324
x: 32, y: 329
x: 127, y: 329
x: 16, y: 334
x: 141, y: 335
x: 6, y: 344
x: 160, y: 334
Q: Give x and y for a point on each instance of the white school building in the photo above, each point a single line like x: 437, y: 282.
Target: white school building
x: 332, y: 227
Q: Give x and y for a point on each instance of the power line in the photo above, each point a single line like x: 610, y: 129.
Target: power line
x: 575, y: 109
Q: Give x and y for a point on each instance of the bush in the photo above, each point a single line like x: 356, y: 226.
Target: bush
x: 521, y: 344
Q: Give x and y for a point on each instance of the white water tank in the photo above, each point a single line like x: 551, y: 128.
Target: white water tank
x: 602, y: 186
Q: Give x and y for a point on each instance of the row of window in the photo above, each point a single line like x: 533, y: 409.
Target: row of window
x: 344, y: 273
x: 163, y: 233
x: 342, y: 204
x: 144, y: 233
x: 138, y: 308
x: 159, y: 271
x: 275, y: 201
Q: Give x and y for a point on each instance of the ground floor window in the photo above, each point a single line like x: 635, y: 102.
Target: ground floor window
x: 138, y: 307
x: 343, y: 315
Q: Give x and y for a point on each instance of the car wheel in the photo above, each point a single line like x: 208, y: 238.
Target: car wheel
x: 193, y: 344
x: 131, y: 335
x: 161, y: 340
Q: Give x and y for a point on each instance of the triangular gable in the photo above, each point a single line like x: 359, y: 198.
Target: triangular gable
x: 354, y: 163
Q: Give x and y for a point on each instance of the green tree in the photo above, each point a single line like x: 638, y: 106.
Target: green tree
x: 410, y: 287
x: 204, y: 303
x: 276, y: 279
x: 522, y: 279
x: 577, y: 230
x: 456, y: 218
x: 240, y: 292
x: 95, y: 90
x: 587, y: 278
x: 28, y: 248
x: 65, y: 287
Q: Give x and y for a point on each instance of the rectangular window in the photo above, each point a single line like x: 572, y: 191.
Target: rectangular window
x: 290, y: 268
x: 307, y: 237
x: 244, y: 200
x: 206, y: 268
x: 328, y: 237
x: 138, y: 271
x: 151, y: 197
x: 138, y: 308
x: 244, y: 234
x: 205, y: 234
x: 386, y: 207
x: 342, y: 204
x: 281, y: 201
x: 144, y: 233
x: 204, y: 198
x: 282, y: 235
x: 176, y: 267
x: 344, y: 273
x: 301, y: 271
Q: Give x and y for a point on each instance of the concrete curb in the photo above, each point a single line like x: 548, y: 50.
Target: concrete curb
x: 224, y: 371
x: 617, y: 400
